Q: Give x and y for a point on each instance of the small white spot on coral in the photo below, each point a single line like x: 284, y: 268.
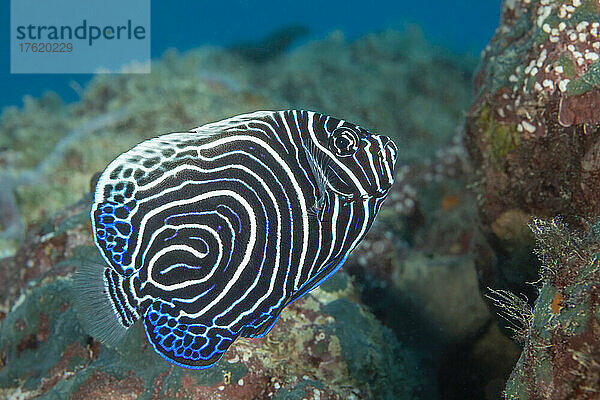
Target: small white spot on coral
x: 562, y: 85
x: 582, y: 26
x: 541, y: 58
x: 528, y: 127
x: 546, y: 28
x: 544, y: 12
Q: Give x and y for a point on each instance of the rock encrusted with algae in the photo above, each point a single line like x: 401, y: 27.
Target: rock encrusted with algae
x: 561, y: 349
x: 532, y: 131
x: 326, y: 346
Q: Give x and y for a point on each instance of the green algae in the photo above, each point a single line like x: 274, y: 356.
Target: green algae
x: 568, y: 66
x: 563, y: 320
x: 587, y: 11
x: 590, y: 80
x: 503, y: 138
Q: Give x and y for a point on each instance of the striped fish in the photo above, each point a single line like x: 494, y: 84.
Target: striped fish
x: 209, y: 234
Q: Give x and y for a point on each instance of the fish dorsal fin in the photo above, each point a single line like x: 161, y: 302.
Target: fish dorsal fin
x: 238, y: 122
x: 195, y: 344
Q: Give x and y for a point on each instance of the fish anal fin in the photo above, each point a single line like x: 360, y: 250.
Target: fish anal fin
x: 261, y: 326
x: 196, y: 345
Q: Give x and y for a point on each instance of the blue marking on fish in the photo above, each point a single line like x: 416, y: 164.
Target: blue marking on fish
x: 208, y: 235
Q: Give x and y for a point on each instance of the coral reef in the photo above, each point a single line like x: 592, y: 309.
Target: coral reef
x: 532, y: 130
x: 414, y: 269
x: 325, y: 346
x: 561, y: 334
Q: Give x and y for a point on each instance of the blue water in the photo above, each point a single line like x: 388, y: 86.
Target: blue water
x: 461, y: 25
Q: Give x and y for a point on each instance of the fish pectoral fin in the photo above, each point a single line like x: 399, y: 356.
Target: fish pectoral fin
x: 195, y: 344
x: 101, y: 301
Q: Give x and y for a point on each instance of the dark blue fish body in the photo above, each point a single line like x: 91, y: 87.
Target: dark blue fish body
x: 210, y: 233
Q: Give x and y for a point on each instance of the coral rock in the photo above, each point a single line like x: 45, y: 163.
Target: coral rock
x: 532, y: 130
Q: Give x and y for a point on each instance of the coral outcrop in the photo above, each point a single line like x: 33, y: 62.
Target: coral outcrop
x: 561, y: 333
x: 532, y: 131
x: 414, y: 269
x: 325, y: 346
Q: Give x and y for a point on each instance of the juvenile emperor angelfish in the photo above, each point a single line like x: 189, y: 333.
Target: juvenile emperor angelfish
x: 209, y: 234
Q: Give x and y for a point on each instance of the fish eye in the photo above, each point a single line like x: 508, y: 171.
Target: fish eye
x: 343, y: 142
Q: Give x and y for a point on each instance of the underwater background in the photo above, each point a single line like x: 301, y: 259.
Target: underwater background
x: 479, y: 279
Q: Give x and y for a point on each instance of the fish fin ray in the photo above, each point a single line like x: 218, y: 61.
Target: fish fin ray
x: 99, y: 316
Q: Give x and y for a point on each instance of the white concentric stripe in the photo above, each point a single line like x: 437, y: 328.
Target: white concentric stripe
x: 190, y: 250
x: 365, y: 223
x: 248, y: 251
x: 277, y: 266
x: 284, y: 166
x: 182, y: 226
x: 371, y: 165
x: 184, y: 183
x: 272, y: 198
x: 342, y: 238
x: 250, y: 245
x: 314, y: 139
x: 386, y: 161
x: 334, y: 222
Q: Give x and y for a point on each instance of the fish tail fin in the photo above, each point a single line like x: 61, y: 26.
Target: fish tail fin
x: 105, y: 308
